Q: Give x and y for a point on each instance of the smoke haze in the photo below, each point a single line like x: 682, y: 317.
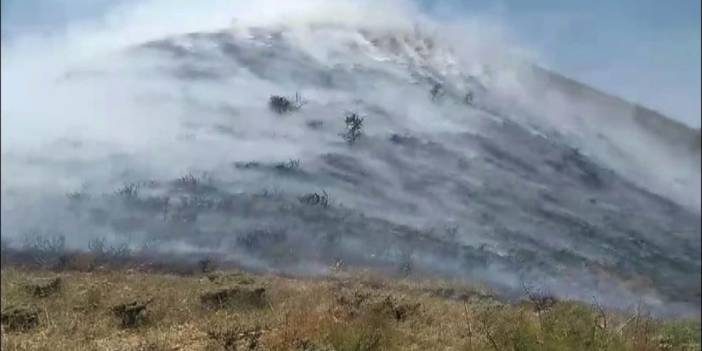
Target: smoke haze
x: 154, y: 120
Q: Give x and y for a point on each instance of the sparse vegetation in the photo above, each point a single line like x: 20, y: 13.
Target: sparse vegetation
x: 134, y: 310
x: 354, y: 126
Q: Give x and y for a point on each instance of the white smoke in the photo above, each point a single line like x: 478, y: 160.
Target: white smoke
x: 82, y: 110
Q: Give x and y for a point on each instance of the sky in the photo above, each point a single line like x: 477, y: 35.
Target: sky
x: 645, y: 51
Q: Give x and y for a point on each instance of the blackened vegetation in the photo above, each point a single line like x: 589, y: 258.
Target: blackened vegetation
x: 45, y: 250
x: 188, y: 208
x: 128, y: 191
x: 187, y: 182
x: 314, y: 124
x: 437, y: 91
x: 354, y: 124
x: 540, y: 300
x: 468, y: 99
x: 192, y: 184
x: 290, y: 165
x: 283, y: 167
x: 77, y: 196
x: 105, y: 253
x: 504, y: 159
x: 404, y: 140
x: 351, y: 304
x: 262, y: 238
x: 207, y: 265
x: 315, y: 199
x: 346, y: 168
x: 282, y: 105
x: 574, y: 162
x: 247, y: 165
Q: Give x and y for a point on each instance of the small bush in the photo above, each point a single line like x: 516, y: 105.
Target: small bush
x: 247, y: 165
x: 288, y: 166
x: 391, y: 307
x: 282, y: 105
x: 131, y: 314
x: 354, y: 126
x: 437, y: 91
x: 187, y: 182
x: 315, y: 199
x: 128, y: 191
x: 314, y: 124
x: 468, y: 99
x: 77, y: 197
x: 19, y: 318
x: 540, y: 300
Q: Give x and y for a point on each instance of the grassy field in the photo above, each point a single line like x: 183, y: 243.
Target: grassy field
x: 232, y: 310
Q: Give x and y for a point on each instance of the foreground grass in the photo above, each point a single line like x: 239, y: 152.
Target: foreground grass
x: 359, y: 312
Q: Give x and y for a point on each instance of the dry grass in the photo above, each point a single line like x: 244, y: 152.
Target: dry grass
x: 359, y: 312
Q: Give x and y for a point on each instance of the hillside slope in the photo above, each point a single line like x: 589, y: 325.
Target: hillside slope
x: 172, y: 147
